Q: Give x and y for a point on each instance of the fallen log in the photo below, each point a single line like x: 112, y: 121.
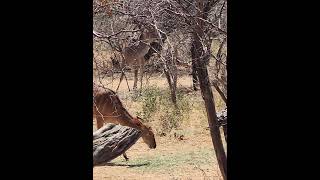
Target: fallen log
x: 111, y: 141
x: 222, y: 120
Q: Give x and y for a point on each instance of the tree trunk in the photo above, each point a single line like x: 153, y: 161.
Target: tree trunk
x: 170, y: 71
x: 169, y: 66
x: 111, y: 141
x: 194, y: 71
x: 203, y: 77
x: 174, y: 76
x: 172, y: 88
x: 212, y: 118
x: 207, y: 96
x: 215, y: 85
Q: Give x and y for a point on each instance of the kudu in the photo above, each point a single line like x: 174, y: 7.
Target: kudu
x: 134, y: 55
x: 107, y: 108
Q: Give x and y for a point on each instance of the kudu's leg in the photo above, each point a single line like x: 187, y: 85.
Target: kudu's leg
x: 194, y: 76
x: 127, y: 82
x: 141, y: 75
x: 135, y: 78
x: 121, y: 78
x: 125, y: 156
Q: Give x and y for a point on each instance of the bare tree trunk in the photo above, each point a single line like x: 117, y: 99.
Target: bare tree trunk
x: 172, y: 87
x: 171, y: 75
x: 174, y: 75
x: 225, y: 132
x: 207, y: 96
x: 170, y: 71
x: 215, y: 85
x: 203, y: 77
x: 111, y: 141
x: 194, y: 70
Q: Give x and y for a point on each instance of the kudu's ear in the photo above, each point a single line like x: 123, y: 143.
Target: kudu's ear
x: 149, y: 127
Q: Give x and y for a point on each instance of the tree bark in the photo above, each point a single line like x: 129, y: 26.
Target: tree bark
x: 207, y: 96
x: 175, y: 75
x: 170, y: 68
x: 172, y: 88
x: 203, y: 77
x: 215, y: 85
x: 111, y: 141
x: 222, y: 119
x: 194, y: 71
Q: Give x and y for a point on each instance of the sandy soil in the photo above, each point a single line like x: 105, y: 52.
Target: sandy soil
x: 152, y: 167
x: 190, y: 158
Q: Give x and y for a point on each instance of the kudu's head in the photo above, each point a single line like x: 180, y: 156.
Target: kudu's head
x: 147, y: 133
x: 149, y: 36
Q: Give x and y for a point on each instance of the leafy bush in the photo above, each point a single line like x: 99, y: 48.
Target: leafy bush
x: 157, y: 105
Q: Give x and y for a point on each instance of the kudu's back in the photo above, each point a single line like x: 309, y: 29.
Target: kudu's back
x: 138, y: 50
x: 107, y: 108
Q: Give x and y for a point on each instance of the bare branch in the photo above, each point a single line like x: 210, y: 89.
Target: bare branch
x: 100, y: 35
x: 214, y: 26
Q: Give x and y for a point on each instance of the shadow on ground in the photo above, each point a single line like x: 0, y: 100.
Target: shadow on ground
x: 124, y: 164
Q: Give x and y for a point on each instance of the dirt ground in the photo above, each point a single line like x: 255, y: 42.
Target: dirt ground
x: 190, y: 158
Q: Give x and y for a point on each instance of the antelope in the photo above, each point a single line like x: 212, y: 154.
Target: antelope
x: 134, y: 55
x: 107, y: 108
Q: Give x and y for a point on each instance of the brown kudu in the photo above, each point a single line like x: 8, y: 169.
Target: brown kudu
x: 133, y: 55
x: 107, y: 108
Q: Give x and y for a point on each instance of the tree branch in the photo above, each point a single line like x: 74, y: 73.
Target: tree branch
x: 100, y: 35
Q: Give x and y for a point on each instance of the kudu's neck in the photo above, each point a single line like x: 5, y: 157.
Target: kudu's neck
x: 129, y: 121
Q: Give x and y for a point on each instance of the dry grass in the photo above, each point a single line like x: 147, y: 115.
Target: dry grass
x: 190, y: 158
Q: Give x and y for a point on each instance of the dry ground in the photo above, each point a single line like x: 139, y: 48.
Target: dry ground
x: 190, y: 158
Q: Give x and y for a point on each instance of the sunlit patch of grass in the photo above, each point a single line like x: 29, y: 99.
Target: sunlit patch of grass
x: 168, y: 162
